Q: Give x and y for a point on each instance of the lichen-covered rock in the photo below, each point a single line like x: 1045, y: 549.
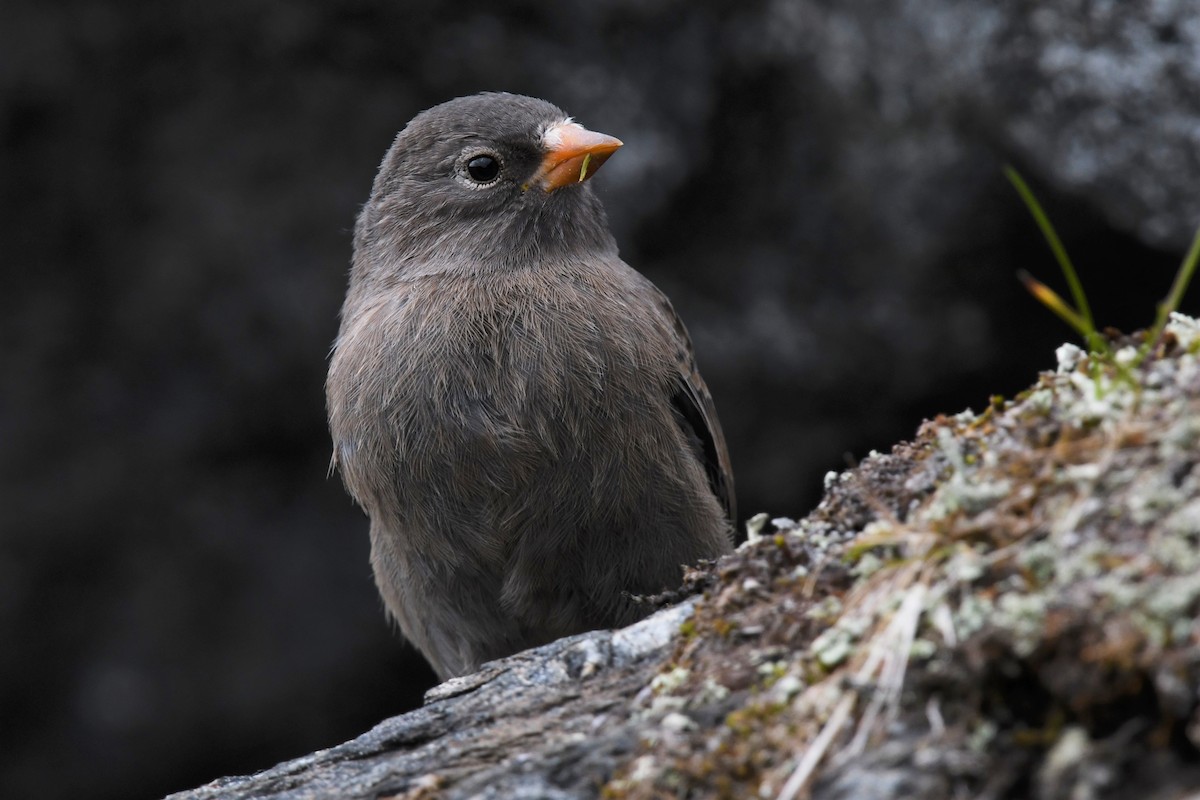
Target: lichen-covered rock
x: 545, y: 724
x: 1005, y: 607
x: 1024, y: 625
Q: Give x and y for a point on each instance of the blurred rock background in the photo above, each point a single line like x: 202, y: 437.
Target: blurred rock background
x: 817, y: 184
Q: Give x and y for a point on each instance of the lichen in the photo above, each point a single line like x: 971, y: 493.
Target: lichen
x: 993, y: 595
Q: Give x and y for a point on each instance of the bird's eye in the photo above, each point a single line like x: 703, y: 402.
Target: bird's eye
x: 483, y: 168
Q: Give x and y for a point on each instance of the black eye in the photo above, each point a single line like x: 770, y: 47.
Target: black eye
x: 483, y: 168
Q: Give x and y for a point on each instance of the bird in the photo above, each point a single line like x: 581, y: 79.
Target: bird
x: 517, y: 410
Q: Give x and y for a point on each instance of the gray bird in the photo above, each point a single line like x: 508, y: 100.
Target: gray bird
x: 517, y: 410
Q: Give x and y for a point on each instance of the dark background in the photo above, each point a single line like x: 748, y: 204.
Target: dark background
x: 183, y: 591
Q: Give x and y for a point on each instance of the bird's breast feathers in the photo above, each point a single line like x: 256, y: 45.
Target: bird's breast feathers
x: 525, y: 362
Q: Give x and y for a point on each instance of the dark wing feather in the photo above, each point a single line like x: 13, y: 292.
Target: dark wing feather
x: 698, y: 417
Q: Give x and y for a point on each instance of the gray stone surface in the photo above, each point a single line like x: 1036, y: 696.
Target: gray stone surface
x: 1003, y: 607
x: 550, y: 723
x: 1102, y: 99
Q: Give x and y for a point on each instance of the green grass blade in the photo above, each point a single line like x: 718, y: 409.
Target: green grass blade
x: 1084, y: 311
x: 1050, y: 299
x: 1182, y: 278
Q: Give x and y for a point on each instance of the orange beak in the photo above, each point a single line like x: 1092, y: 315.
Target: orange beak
x: 573, y: 154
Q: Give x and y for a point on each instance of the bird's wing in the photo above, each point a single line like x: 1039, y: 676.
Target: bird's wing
x: 698, y: 416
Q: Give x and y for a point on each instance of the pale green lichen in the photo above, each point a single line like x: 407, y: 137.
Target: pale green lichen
x: 1126, y: 357
x: 662, y: 704
x: 982, y: 736
x: 1080, y: 473
x: 1096, y: 398
x: 826, y: 609
x: 835, y: 644
x: 1173, y: 598
x: 677, y: 722
x: 923, y: 649
x: 785, y: 688
x: 965, y: 565
x: 961, y: 495
x: 962, y: 491
x: 667, y: 682
x: 868, y: 564
x: 1185, y: 329
x: 1152, y: 497
x: 754, y: 527
x: 1182, y: 526
x: 1069, y: 357
x: 1024, y: 616
x: 709, y: 693
x: 1040, y: 559
x: 644, y: 768
x: 1063, y: 521
x: 972, y: 615
x: 1181, y: 438
x: 1068, y: 752
x: 1040, y: 401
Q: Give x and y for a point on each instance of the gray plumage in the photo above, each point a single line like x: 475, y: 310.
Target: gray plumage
x: 517, y: 410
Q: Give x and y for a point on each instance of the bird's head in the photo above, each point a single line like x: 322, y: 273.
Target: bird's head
x: 487, y: 182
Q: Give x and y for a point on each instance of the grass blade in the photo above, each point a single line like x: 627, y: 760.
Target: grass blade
x: 1051, y: 300
x: 1082, y: 311
x: 1182, y: 278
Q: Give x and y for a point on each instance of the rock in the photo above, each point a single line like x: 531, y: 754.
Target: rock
x: 548, y: 723
x: 1100, y: 99
x: 919, y: 635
